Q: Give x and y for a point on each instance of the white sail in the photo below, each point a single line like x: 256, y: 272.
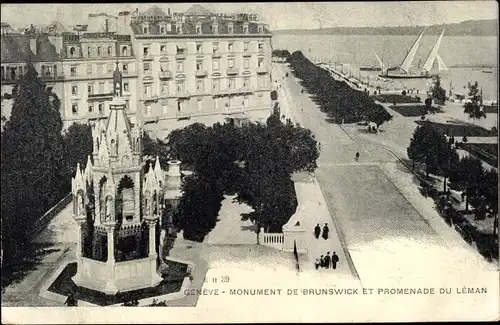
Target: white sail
x: 441, y: 65
x: 433, y: 54
x: 379, y: 62
x: 405, y: 66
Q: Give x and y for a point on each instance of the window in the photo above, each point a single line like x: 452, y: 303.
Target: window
x: 198, y: 48
x: 101, y: 88
x: 102, y: 68
x: 199, y: 104
x: 74, y: 90
x: 230, y: 29
x: 198, y: 29
x: 74, y: 108
x: 260, y: 62
x: 181, y: 50
x: 164, y: 87
x: 245, y: 47
x: 89, y: 69
x: 260, y: 28
x: 246, y: 82
x: 230, y: 47
x: 98, y: 51
x: 162, y: 29
x: 91, y: 108
x: 124, y: 51
x: 125, y: 86
x: 245, y: 29
x: 164, y: 108
x: 110, y: 50
x: 216, y: 84
x: 180, y: 66
x: 125, y: 68
x: 215, y: 29
x: 230, y: 83
x: 89, y: 52
x: 261, y: 47
x: 230, y: 63
x: 145, y: 29
x: 262, y: 81
x: 215, y: 64
x: 101, y: 108
x: 146, y: 67
x: 147, y: 109
x: 199, y: 85
x: 110, y: 67
x: 216, y: 47
x: 163, y: 49
x: 145, y: 50
x: 246, y: 64
x: 199, y: 65
x: 169, y: 27
x: 164, y: 67
x: 178, y: 28
x: 90, y: 89
x: 72, y: 51
x: 73, y: 71
x: 147, y: 90
x: 180, y: 86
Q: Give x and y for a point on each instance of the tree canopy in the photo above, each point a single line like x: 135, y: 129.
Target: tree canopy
x: 474, y: 107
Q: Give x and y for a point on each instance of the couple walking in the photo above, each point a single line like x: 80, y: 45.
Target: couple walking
x: 327, y: 261
x: 317, y: 231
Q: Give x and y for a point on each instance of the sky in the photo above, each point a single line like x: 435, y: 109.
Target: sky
x: 279, y: 15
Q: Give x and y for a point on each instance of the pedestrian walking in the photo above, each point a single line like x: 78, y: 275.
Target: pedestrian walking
x: 327, y: 260
x: 335, y: 260
x: 317, y: 231
x: 317, y: 263
x: 357, y: 156
x: 322, y: 261
x: 325, y: 231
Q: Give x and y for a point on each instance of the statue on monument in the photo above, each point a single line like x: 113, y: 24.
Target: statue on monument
x: 109, y: 207
x: 81, y: 208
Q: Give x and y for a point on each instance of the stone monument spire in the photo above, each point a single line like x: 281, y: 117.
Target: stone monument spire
x: 117, y: 82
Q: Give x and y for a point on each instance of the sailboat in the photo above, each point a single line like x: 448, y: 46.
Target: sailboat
x: 426, y: 68
x: 379, y: 68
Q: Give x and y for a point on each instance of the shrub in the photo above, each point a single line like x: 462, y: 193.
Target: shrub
x: 403, y: 93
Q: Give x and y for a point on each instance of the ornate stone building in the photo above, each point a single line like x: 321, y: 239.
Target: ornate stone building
x: 117, y: 202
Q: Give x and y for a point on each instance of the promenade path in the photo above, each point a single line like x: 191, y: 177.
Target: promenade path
x: 388, y: 230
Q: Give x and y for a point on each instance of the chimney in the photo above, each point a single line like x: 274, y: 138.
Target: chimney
x: 33, y: 45
x: 107, y: 25
x: 168, y: 11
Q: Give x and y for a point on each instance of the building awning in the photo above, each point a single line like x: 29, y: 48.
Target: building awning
x: 181, y: 46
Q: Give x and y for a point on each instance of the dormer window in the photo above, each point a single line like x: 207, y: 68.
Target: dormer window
x: 230, y: 47
x: 260, y: 29
x: 145, y: 28
x: 245, y: 28
x: 98, y: 51
x: 163, y: 29
x: 198, y: 28
x: 178, y: 28
x: 169, y: 27
x: 215, y: 28
x: 89, y: 52
x: 110, y: 51
x: 230, y: 28
x: 124, y: 51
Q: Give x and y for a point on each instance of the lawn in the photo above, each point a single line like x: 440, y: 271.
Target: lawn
x: 63, y: 285
x: 410, y: 110
x: 460, y: 130
x: 487, y: 152
x: 396, y: 98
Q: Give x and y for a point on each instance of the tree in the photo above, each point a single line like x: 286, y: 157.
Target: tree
x: 447, y: 159
x: 437, y: 92
x: 424, y: 147
x: 31, y: 156
x: 474, y: 107
x: 468, y: 175
x: 489, y: 190
x: 77, y: 147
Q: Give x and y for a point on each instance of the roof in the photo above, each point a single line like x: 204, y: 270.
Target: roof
x: 197, y: 10
x: 16, y: 48
x: 153, y: 11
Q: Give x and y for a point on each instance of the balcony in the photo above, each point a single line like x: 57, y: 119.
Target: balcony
x: 180, y: 56
x: 232, y: 71
x: 183, y: 116
x: 150, y: 98
x: 201, y: 73
x: 147, y: 57
x: 261, y: 70
x: 183, y: 94
x: 165, y: 75
x: 100, y: 96
x: 49, y: 77
x: 216, y: 55
x: 247, y: 54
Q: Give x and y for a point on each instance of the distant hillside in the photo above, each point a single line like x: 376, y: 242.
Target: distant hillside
x: 465, y: 28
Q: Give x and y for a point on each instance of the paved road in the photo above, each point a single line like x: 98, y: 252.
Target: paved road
x: 380, y: 228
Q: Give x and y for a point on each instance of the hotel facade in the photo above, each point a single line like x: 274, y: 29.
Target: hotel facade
x: 178, y: 68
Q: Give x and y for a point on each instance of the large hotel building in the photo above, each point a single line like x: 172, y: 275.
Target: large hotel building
x: 178, y: 68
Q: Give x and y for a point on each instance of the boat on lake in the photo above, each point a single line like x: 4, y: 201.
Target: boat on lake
x: 404, y: 71
x: 379, y: 68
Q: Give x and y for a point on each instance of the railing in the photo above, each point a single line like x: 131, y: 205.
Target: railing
x: 180, y: 56
x: 100, y: 96
x: 201, y: 73
x: 274, y: 240
x: 165, y: 74
x: 44, y: 220
x: 232, y: 71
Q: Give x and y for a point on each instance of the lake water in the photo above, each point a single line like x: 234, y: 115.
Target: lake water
x: 357, y: 50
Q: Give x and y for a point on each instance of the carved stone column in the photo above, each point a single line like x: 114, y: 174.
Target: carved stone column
x: 152, y: 237
x: 110, y: 231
